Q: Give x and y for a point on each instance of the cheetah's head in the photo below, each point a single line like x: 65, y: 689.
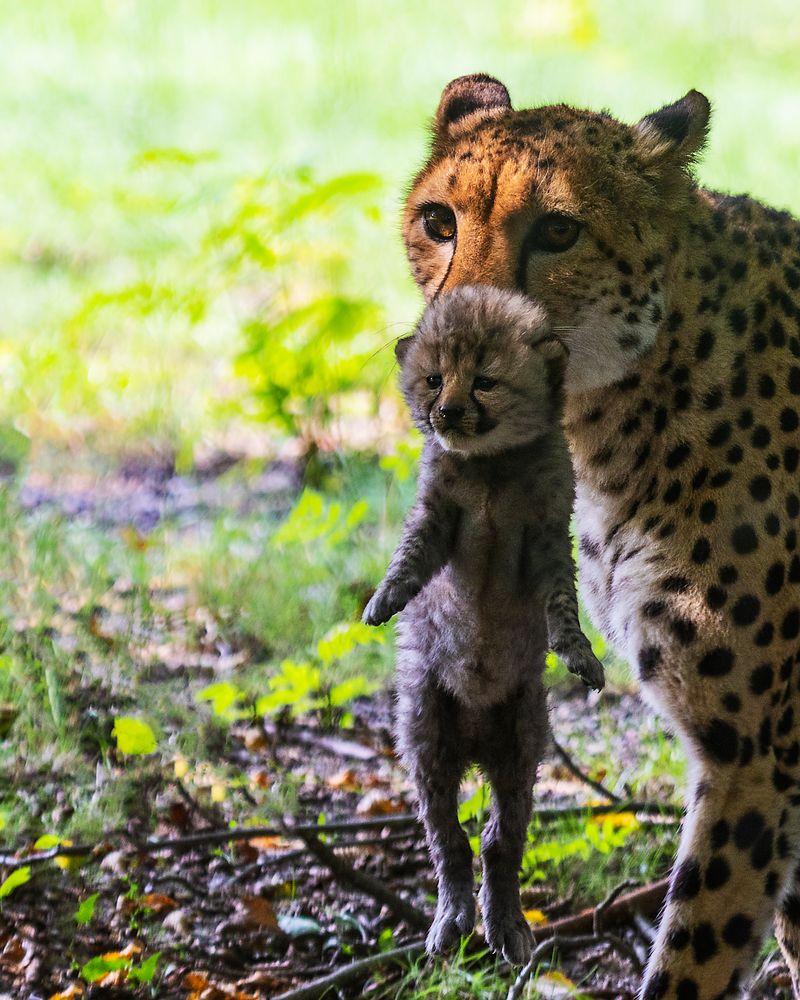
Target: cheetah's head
x: 571, y: 207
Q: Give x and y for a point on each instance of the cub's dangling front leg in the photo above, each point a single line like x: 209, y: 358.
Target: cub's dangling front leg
x: 565, y: 636
x: 424, y: 549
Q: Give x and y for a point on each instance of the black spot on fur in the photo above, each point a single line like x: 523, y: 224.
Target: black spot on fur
x: 704, y: 943
x: 716, y: 663
x: 720, y: 741
x: 737, y: 931
x: 717, y: 873
x: 744, y: 539
x: 761, y: 679
x: 649, y: 660
x: 687, y: 881
x: 748, y: 829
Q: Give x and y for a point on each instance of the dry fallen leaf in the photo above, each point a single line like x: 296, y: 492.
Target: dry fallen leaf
x: 72, y: 993
x: 257, y: 912
x: 345, y: 780
x: 255, y: 740
x: 204, y: 989
x: 260, y: 778
x: 17, y: 954
x: 377, y: 803
x: 157, y: 903
x: 273, y: 843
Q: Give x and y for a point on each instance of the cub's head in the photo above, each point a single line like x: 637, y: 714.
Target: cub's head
x: 580, y: 212
x: 482, y: 371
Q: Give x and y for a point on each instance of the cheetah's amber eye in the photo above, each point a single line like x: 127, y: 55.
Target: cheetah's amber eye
x: 439, y: 222
x: 434, y: 381
x: 555, y: 232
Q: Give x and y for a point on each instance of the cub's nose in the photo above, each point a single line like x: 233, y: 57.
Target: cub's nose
x: 451, y: 414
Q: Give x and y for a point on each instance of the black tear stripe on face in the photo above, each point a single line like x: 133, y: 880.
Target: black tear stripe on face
x: 522, y: 265
x: 484, y: 423
x: 435, y: 295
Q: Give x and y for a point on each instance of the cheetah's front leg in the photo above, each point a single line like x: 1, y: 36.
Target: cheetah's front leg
x: 733, y: 861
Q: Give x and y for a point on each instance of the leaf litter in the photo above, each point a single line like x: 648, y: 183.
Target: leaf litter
x: 210, y: 918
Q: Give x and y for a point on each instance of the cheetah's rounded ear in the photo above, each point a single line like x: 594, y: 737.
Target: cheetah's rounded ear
x: 676, y: 133
x: 466, y: 101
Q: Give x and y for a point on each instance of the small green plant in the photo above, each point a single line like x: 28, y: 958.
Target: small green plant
x: 86, y: 908
x: 15, y: 880
x: 300, y: 686
x: 138, y: 972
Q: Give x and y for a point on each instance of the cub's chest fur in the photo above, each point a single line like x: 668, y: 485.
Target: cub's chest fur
x: 501, y: 502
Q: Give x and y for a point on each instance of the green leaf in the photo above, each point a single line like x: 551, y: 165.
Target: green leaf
x: 403, y: 463
x: 222, y: 696
x: 355, y: 687
x: 46, y: 841
x: 133, y: 736
x: 344, y: 637
x: 144, y: 973
x: 100, y: 966
x: 14, y: 445
x: 15, y: 880
x: 85, y: 911
x: 476, y: 805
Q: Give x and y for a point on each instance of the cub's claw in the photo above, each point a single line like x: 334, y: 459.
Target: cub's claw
x: 380, y: 608
x: 455, y: 918
x: 582, y: 662
x: 509, y: 935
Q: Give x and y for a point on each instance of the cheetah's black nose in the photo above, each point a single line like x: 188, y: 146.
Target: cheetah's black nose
x: 451, y: 415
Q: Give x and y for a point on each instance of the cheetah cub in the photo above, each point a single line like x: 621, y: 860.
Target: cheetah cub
x: 486, y: 583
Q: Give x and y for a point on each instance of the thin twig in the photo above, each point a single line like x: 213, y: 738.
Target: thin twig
x: 571, y: 766
x: 404, y: 820
x: 647, y: 900
x: 362, y: 881
x: 353, y: 972
x: 541, y: 951
x: 558, y: 942
x: 615, y: 893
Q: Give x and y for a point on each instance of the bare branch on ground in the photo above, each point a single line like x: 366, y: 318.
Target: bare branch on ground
x: 353, y: 972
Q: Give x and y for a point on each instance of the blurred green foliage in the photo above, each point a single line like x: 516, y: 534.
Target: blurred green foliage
x: 192, y: 235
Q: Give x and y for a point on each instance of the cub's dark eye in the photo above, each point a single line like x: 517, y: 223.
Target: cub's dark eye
x: 556, y: 233
x: 484, y: 384
x: 434, y: 381
x: 439, y: 222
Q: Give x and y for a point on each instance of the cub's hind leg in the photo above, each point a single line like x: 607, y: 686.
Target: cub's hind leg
x: 430, y: 744
x: 512, y: 744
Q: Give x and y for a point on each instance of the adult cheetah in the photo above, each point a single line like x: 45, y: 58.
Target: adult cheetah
x: 681, y: 311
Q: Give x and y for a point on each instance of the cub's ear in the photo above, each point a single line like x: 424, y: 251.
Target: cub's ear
x: 401, y: 348
x: 551, y: 349
x: 676, y: 134
x: 465, y: 102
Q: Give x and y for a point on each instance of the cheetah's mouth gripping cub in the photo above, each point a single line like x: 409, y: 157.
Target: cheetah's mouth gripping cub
x: 482, y: 371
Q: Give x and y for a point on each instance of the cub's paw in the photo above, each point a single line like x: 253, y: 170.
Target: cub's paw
x: 380, y: 608
x: 455, y: 918
x: 582, y: 662
x: 508, y: 934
